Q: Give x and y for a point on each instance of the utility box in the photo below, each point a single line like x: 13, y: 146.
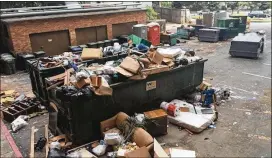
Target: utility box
x: 247, y: 45
x: 208, y: 35
x: 140, y: 30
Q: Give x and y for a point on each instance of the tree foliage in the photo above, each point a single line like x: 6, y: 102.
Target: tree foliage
x: 151, y: 13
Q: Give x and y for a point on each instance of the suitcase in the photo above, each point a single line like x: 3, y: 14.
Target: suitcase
x: 156, y: 122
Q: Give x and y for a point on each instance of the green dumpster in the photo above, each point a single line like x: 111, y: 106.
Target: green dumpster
x: 242, y: 23
x: 232, y: 24
x: 81, y: 115
x: 185, y: 33
x: 170, y: 39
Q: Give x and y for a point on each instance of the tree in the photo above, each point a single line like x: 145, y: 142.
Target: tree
x: 223, y: 8
x: 232, y: 5
x: 166, y: 4
x: 151, y: 13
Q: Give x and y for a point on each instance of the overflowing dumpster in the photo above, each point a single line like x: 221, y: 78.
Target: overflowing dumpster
x: 130, y: 83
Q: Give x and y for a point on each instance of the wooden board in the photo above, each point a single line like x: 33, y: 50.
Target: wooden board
x: 46, y: 136
x: 158, y: 150
x: 31, y: 154
x: 155, y: 114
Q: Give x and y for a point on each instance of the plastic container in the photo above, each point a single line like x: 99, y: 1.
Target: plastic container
x: 153, y: 34
x: 223, y: 33
x: 39, y: 54
x: 208, y: 35
x: 130, y: 97
x: 107, y: 43
x: 92, y: 45
x: 140, y: 30
x: 100, y: 44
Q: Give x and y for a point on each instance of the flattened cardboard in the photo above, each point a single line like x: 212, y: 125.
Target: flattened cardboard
x: 141, y: 152
x: 91, y: 53
x: 155, y: 57
x: 145, y: 61
x: 155, y: 69
x: 167, y: 60
x: 130, y: 65
x: 123, y: 72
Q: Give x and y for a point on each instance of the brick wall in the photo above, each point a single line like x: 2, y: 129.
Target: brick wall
x: 19, y: 31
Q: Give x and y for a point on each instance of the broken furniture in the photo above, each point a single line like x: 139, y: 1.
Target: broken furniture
x: 247, y: 45
x: 208, y: 35
x: 156, y: 122
x: 24, y: 107
x: 140, y: 136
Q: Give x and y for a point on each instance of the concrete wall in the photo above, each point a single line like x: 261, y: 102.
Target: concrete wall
x: 19, y: 31
x: 179, y: 16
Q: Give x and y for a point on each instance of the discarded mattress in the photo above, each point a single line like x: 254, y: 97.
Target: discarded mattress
x: 193, y: 120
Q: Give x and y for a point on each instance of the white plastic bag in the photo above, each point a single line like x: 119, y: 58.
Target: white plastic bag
x: 112, y: 138
x: 99, y: 150
x: 19, y: 122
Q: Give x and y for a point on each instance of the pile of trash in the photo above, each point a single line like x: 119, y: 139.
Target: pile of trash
x: 199, y: 111
x: 136, y: 66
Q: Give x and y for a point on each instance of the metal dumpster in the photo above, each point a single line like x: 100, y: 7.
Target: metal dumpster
x: 242, y: 22
x: 208, y: 35
x: 37, y: 75
x: 247, y: 45
x: 223, y: 33
x: 80, y: 115
x: 185, y: 33
x: 231, y: 23
x: 197, y: 28
x: 170, y: 39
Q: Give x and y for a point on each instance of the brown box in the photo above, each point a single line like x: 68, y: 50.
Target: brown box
x: 157, y: 122
x: 155, y: 57
x: 82, y: 82
x: 96, y: 81
x: 130, y: 65
x: 204, y: 85
x: 91, y: 53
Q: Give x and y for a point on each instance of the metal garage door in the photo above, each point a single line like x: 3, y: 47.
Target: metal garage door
x: 91, y: 34
x: 53, y: 43
x: 122, y: 29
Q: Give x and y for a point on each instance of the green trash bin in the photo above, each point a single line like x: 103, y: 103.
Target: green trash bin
x: 170, y: 39
x: 185, y: 33
x: 242, y: 22
x: 232, y: 24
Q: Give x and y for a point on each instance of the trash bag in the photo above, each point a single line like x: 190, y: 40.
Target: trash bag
x: 19, y: 123
x: 56, y: 153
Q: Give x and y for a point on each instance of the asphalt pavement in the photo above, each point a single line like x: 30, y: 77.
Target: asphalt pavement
x: 244, y: 125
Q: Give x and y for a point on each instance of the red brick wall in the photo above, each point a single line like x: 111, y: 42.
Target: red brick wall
x: 19, y: 31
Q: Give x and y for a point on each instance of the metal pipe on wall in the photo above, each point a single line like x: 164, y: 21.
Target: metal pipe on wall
x: 59, y: 12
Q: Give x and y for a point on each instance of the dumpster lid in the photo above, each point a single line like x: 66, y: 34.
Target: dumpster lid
x: 209, y: 30
x: 249, y: 37
x: 139, y: 25
x: 221, y: 28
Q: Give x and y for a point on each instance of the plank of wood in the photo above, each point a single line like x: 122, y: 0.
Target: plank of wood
x: 31, y: 154
x: 158, y: 150
x: 46, y: 136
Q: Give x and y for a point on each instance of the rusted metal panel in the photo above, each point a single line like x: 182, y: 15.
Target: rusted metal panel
x: 86, y: 35
x: 53, y: 43
x: 122, y: 29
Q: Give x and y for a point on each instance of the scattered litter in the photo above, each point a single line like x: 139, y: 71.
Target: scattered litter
x: 181, y: 153
x: 19, y: 123
x: 234, y: 123
x: 99, y: 150
x: 248, y: 113
x: 206, y: 138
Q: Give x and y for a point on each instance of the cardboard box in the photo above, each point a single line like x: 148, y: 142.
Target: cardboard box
x: 91, y: 53
x: 104, y: 89
x: 141, y: 152
x: 130, y: 65
x: 145, y: 61
x: 204, y: 85
x: 123, y: 72
x: 96, y: 81
x: 155, y: 57
x: 82, y: 82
